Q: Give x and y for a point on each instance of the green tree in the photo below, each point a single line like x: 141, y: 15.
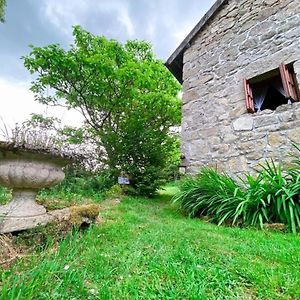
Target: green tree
x: 2, y: 6
x: 127, y: 97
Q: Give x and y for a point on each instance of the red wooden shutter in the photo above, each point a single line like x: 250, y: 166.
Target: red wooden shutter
x: 249, y: 97
x: 297, y: 87
x: 289, y: 82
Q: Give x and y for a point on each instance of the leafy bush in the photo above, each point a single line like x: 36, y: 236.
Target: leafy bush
x: 145, y: 182
x: 114, y: 192
x: 273, y: 196
x: 79, y: 184
x: 210, y: 194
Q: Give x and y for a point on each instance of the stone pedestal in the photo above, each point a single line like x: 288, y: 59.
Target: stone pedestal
x: 26, y: 171
x: 22, y: 212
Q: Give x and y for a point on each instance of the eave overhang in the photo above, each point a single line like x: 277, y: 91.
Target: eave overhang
x: 175, y: 61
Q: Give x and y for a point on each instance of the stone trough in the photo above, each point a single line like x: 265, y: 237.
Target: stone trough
x: 26, y: 171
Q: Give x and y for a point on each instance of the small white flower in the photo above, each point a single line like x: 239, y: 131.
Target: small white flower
x: 66, y: 267
x: 93, y: 291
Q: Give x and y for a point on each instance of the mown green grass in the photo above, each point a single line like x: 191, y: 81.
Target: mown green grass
x: 55, y: 198
x: 148, y: 250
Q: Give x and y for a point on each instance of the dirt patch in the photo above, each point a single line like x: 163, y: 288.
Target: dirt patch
x: 9, y: 251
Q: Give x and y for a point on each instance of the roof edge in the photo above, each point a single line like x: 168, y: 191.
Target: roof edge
x: 175, y: 62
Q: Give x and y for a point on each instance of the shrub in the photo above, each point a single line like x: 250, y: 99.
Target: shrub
x: 275, y: 199
x: 273, y: 196
x: 115, y: 191
x: 145, y: 181
x: 81, y: 183
x: 210, y: 194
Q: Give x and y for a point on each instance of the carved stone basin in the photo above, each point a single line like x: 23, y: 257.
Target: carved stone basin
x: 25, y: 171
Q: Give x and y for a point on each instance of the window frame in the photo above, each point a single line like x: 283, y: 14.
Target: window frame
x: 290, y: 86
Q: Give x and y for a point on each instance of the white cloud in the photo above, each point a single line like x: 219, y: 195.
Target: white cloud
x: 181, y: 34
x: 121, y: 10
x: 17, y: 103
x: 65, y: 14
x: 126, y: 21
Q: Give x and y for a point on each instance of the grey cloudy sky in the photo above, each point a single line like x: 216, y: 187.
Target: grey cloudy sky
x: 164, y: 23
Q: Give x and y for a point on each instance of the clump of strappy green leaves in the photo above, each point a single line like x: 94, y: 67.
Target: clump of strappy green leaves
x: 272, y: 196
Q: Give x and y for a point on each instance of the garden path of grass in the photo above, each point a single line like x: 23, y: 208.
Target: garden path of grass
x: 146, y: 249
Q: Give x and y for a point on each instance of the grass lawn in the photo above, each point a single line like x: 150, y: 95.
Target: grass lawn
x: 147, y: 249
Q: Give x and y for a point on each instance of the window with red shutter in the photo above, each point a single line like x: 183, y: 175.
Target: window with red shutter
x: 271, y: 89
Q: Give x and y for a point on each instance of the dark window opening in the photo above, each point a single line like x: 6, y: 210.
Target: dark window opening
x: 272, y: 89
x: 269, y: 94
x: 273, y: 99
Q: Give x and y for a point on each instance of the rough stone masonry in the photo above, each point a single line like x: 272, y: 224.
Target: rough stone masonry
x: 243, y: 39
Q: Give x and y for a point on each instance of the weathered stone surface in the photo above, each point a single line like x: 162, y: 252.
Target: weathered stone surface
x: 287, y: 116
x: 265, y: 120
x: 26, y: 171
x: 294, y: 135
x: 244, y: 39
x: 76, y: 215
x: 243, y: 123
x: 22, y: 213
x: 250, y: 43
x: 297, y: 109
x: 276, y: 139
x: 30, y: 214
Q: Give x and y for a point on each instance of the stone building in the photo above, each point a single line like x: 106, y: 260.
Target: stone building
x: 240, y: 68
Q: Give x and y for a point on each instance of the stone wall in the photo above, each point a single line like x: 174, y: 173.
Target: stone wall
x: 244, y: 39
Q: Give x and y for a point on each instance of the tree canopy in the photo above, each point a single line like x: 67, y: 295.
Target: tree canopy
x: 127, y: 97
x: 2, y: 6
